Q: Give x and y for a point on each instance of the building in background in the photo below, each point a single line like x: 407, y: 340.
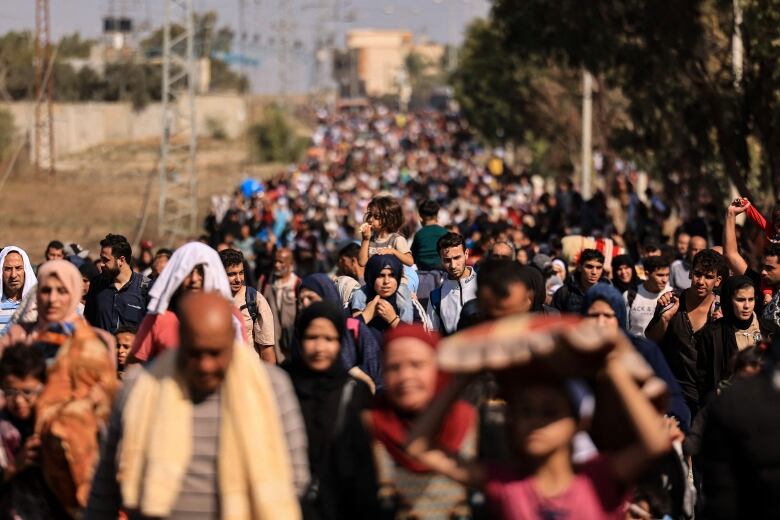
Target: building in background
x: 374, y: 63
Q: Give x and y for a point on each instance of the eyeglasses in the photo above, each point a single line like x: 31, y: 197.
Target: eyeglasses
x: 28, y: 394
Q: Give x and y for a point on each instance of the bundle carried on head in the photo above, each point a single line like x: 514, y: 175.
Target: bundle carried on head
x: 538, y: 348
x: 573, y: 245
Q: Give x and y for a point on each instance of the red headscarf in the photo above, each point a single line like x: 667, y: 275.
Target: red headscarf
x: 391, y: 429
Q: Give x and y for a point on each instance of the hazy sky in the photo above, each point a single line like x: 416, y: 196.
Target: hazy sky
x: 438, y: 20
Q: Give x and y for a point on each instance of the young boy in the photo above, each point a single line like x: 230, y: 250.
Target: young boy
x: 22, y: 488
x: 125, y: 336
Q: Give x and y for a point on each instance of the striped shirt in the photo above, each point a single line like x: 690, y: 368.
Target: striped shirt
x: 105, y: 497
x: 7, y: 309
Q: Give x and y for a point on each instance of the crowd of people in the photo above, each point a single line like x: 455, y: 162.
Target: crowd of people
x: 400, y: 327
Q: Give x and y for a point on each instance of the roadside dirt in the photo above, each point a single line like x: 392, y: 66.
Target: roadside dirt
x: 101, y: 191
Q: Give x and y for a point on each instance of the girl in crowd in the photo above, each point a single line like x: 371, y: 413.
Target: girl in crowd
x: 412, y: 379
x: 360, y: 350
x: 343, y: 485
x: 380, y: 236
x: 378, y: 303
x: 383, y: 219
x: 737, y: 330
x: 543, y: 403
x: 624, y: 276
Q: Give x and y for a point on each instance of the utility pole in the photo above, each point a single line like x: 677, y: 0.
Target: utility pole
x: 178, y: 212
x: 43, y: 154
x: 737, y: 49
x: 587, y: 121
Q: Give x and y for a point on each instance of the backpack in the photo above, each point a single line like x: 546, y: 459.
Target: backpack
x: 251, y: 304
x: 435, y: 300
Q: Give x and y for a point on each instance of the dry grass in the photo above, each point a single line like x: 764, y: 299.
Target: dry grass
x: 101, y: 191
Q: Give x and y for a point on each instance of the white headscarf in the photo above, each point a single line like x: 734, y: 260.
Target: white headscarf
x: 30, y: 281
x: 181, y: 264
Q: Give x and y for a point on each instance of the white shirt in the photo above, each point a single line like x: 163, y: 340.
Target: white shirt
x: 642, y: 309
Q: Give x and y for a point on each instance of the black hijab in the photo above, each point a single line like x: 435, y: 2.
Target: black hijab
x: 374, y: 267
x: 620, y: 285
x: 318, y: 392
x: 718, y: 342
x: 727, y: 292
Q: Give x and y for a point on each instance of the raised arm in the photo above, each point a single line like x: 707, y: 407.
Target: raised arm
x: 652, y: 435
x: 667, y: 307
x: 421, y: 446
x: 365, y: 235
x: 734, y: 260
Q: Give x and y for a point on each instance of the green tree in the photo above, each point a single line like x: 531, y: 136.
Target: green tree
x: 7, y: 132
x: 691, y: 120
x: 530, y: 100
x: 274, y: 139
x: 72, y: 46
x: 208, y: 39
x: 17, y: 76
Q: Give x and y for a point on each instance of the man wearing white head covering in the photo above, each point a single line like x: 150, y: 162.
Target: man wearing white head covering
x: 18, y: 278
x: 192, y: 267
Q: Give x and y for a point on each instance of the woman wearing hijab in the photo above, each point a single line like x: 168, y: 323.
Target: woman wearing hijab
x: 74, y: 405
x: 604, y: 302
x: 624, y: 276
x: 412, y: 380
x: 192, y: 267
x: 56, y: 315
x: 343, y: 483
x: 360, y: 350
x: 721, y: 340
x: 377, y: 303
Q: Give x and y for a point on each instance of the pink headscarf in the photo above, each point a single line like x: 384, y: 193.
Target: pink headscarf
x: 70, y: 277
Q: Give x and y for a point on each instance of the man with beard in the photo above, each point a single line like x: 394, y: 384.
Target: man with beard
x: 119, y: 296
x: 17, y: 280
x: 280, y: 294
x: 459, y: 288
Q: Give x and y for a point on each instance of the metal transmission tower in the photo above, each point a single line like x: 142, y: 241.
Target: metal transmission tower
x: 44, y: 90
x: 178, y: 176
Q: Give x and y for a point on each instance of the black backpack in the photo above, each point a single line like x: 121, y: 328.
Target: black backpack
x: 251, y: 304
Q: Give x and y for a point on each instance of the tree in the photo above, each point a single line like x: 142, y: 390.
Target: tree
x: 17, y: 76
x: 691, y: 119
x: 529, y: 100
x: 208, y: 40
x: 72, y: 46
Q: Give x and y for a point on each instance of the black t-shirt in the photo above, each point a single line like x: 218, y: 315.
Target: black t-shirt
x: 679, y: 348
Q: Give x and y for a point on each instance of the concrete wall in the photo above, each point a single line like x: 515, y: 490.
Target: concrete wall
x: 79, y: 126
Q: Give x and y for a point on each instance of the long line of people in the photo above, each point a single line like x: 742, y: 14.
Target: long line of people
x: 421, y: 370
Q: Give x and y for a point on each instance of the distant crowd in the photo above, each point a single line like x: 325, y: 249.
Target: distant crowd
x: 400, y: 327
